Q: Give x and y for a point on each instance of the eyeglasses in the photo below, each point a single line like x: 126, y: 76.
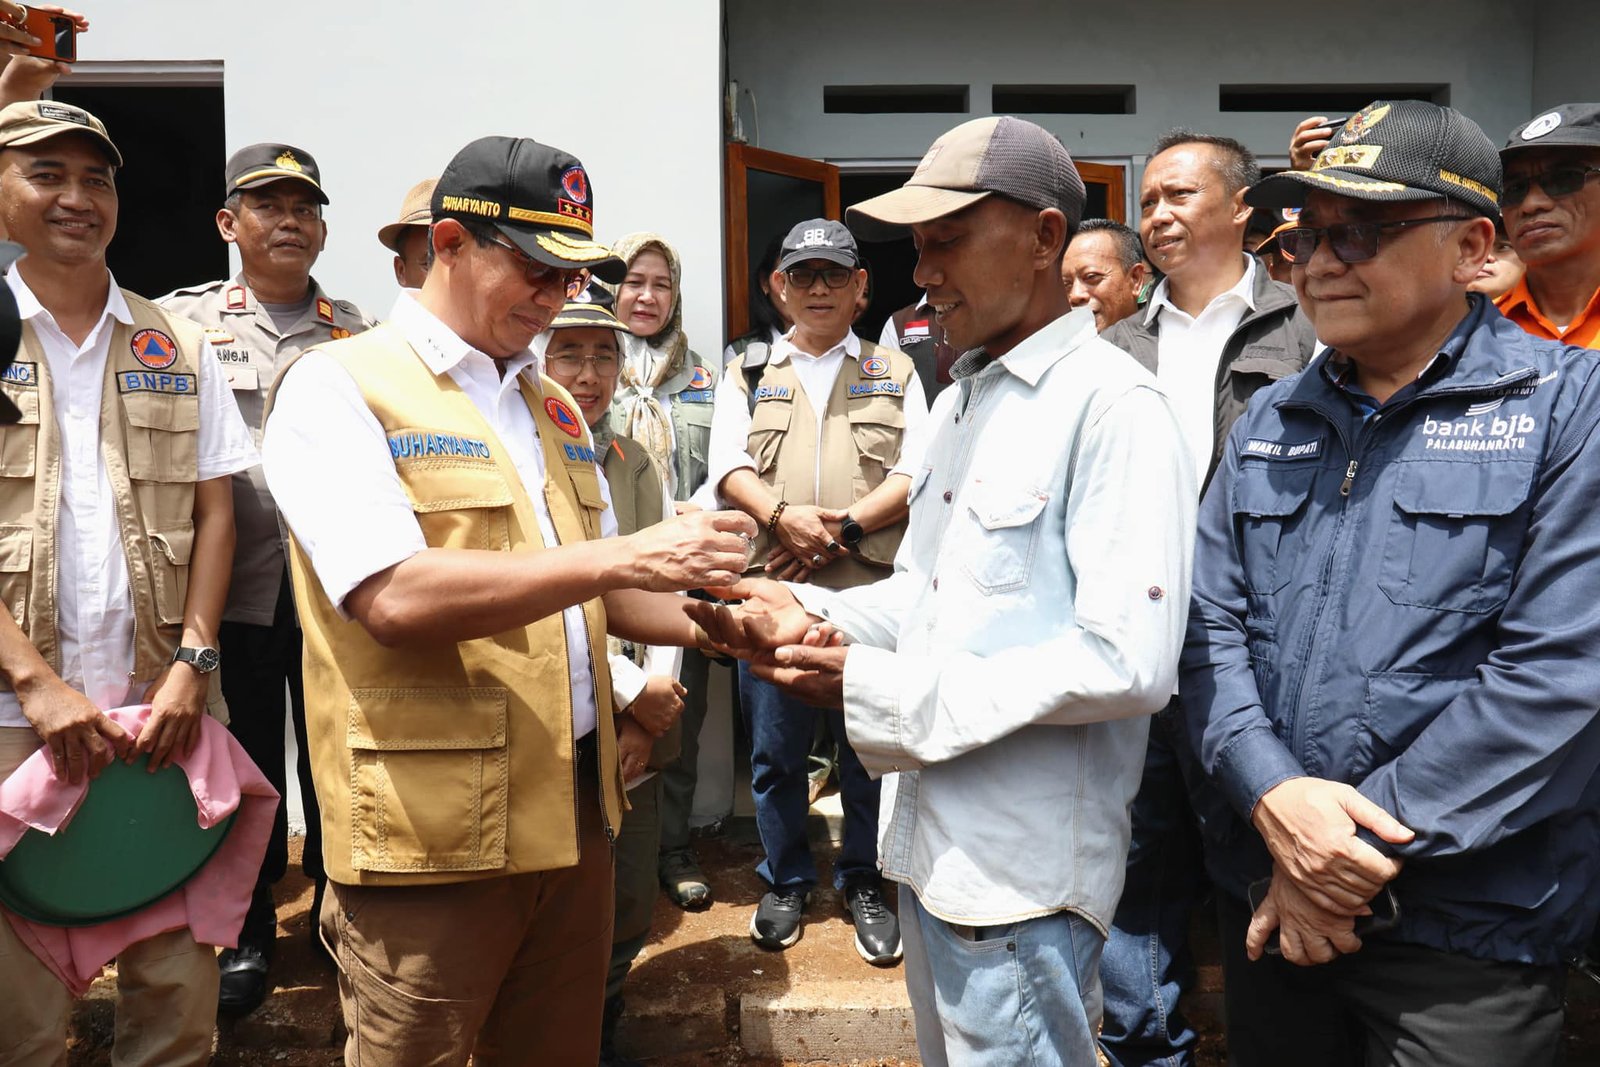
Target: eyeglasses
x: 570, y: 280
x: 1352, y: 242
x: 570, y: 366
x: 832, y: 277
x: 1556, y: 182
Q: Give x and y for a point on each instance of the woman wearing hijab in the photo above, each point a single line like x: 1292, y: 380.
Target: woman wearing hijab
x: 663, y: 401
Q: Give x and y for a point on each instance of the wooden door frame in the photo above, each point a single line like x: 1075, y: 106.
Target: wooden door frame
x: 739, y: 159
x: 1114, y: 177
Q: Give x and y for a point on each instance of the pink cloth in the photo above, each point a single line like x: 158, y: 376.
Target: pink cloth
x: 212, y: 904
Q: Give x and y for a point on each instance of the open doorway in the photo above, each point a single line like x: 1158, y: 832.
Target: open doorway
x: 172, y: 142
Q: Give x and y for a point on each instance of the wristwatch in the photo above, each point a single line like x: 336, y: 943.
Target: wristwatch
x: 851, y: 533
x: 205, y: 660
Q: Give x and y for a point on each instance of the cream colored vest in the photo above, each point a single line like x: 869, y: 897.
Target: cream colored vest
x: 149, y: 442
x: 863, y: 426
x: 454, y: 762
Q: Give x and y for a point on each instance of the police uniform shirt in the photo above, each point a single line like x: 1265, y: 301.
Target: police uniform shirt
x: 252, y: 350
x: 730, y: 421
x: 328, y: 464
x: 94, y: 602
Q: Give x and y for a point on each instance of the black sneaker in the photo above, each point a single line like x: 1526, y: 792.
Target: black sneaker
x: 877, y: 930
x: 776, y: 923
x: 680, y: 875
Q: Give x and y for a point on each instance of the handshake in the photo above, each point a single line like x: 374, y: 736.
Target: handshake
x: 760, y: 621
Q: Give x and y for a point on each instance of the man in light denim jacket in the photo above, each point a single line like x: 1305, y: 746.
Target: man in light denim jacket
x: 1032, y: 624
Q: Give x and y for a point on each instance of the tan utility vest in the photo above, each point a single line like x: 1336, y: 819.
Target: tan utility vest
x: 452, y: 762
x: 863, y: 427
x: 149, y: 443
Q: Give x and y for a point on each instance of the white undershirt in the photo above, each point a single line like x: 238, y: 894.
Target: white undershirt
x: 1188, y: 353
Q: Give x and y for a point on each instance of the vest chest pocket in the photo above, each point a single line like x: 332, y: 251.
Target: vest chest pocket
x: 19, y: 442
x: 692, y: 424
x: 1454, y: 535
x: 16, y: 560
x: 428, y: 779
x: 169, y: 565
x: 877, y: 425
x: 591, y: 501
x: 1006, y: 535
x: 768, y: 425
x: 163, y: 436
x: 1268, y: 501
x: 459, y: 504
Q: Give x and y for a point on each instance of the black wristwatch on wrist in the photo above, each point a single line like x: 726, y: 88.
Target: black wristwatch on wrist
x: 851, y: 533
x: 205, y: 660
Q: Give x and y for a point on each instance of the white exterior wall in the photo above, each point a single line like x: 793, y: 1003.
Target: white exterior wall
x: 1176, y: 52
x: 383, y: 93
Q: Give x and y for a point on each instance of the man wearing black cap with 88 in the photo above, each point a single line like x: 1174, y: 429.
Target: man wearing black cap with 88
x: 456, y: 575
x: 1389, y: 668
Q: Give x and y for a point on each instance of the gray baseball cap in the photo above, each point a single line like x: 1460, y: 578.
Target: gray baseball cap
x: 1564, y: 126
x: 819, y: 239
x: 1000, y: 155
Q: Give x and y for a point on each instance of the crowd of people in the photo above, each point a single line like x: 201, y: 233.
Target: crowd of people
x: 1240, y: 557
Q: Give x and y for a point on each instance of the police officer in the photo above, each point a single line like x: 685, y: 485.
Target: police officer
x: 407, y: 236
x: 817, y: 444
x: 117, y: 543
x: 256, y: 323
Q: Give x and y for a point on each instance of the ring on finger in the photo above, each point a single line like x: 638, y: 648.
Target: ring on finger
x: 816, y: 560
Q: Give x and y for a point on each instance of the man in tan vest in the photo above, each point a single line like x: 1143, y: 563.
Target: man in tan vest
x: 115, y: 547
x: 456, y: 578
x: 817, y: 444
x: 258, y: 321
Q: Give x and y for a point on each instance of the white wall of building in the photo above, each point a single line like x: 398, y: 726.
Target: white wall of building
x: 383, y: 93
x: 1176, y: 52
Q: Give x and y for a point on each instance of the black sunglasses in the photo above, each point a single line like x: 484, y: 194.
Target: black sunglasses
x: 1556, y: 182
x: 1352, y: 242
x: 832, y: 277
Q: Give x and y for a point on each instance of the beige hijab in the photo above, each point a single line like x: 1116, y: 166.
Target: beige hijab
x: 649, y: 361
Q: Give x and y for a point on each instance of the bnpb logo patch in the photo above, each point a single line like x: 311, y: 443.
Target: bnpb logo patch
x: 576, y: 183
x: 563, y: 417
x: 154, y: 349
x: 874, y: 367
x: 700, y: 380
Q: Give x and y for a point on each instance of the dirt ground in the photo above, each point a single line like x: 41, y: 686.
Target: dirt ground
x: 300, y: 1025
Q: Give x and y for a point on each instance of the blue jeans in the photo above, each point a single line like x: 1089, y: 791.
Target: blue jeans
x: 1147, y: 964
x: 781, y: 729
x: 1027, y: 993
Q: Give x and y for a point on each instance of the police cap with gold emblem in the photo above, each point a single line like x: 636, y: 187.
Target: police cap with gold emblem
x: 258, y: 164
x: 537, y: 196
x: 1396, y: 150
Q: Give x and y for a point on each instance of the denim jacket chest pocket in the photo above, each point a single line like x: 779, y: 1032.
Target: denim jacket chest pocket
x: 1269, y: 502
x: 1002, y: 525
x: 1454, y: 533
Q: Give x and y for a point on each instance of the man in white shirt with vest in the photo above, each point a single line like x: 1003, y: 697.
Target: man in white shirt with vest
x: 1009, y: 666
x: 817, y: 444
x: 117, y: 541
x: 456, y: 574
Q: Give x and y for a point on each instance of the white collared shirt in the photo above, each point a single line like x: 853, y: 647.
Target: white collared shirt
x: 94, y: 602
x: 329, y: 467
x: 1188, y: 353
x: 1032, y: 623
x: 730, y: 419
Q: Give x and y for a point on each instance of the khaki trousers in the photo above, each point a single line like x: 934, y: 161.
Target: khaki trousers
x: 166, y: 987
x: 506, y: 970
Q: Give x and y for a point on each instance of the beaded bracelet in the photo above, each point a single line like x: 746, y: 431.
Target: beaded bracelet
x: 777, y: 513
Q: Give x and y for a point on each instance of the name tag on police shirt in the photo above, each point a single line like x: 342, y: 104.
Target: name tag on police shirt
x: 242, y: 375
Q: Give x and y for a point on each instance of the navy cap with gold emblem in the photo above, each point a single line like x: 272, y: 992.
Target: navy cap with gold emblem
x: 537, y: 196
x: 258, y: 164
x: 591, y: 307
x: 1396, y: 150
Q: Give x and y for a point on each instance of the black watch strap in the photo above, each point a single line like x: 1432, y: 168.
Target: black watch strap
x: 851, y: 532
